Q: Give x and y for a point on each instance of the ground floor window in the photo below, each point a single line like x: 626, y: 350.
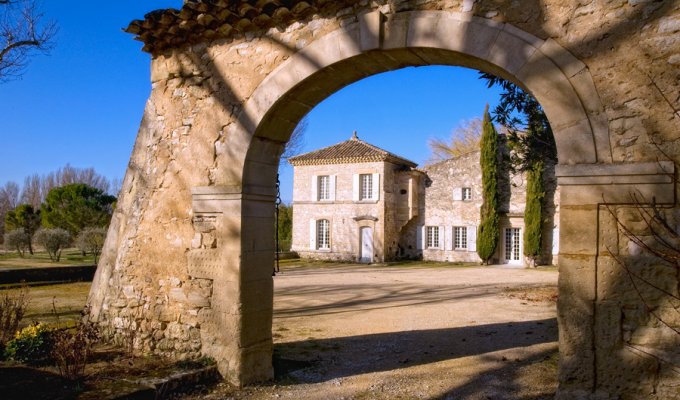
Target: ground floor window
x: 460, y: 240
x: 433, y: 237
x: 323, y: 237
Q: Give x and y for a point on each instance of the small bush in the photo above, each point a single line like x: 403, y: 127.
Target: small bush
x: 91, y: 240
x: 72, y: 348
x: 31, y: 345
x: 17, y: 240
x: 53, y: 240
x: 12, y: 309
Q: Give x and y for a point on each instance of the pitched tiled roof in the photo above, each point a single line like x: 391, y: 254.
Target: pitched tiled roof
x: 348, y: 152
x: 207, y: 20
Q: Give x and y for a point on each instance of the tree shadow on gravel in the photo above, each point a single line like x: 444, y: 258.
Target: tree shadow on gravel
x: 320, y: 360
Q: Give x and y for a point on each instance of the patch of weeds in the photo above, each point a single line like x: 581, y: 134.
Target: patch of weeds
x: 200, y: 363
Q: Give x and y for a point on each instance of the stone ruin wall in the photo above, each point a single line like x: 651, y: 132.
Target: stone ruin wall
x: 631, y: 48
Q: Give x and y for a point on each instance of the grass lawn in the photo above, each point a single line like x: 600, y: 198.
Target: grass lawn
x: 53, y: 304
x: 69, y: 257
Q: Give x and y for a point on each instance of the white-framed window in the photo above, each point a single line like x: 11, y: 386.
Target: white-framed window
x: 460, y: 237
x: 432, y: 233
x: 323, y: 187
x: 365, y: 187
x: 466, y: 194
x: 323, y: 234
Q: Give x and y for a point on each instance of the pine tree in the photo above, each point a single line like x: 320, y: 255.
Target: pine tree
x: 488, y: 231
x: 533, y: 212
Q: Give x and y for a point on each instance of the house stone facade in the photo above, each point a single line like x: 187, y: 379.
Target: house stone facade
x: 350, y: 201
x: 431, y: 213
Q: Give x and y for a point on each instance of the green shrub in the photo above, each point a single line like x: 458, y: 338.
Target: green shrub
x: 91, y: 240
x: 31, y: 345
x: 53, y: 240
x: 17, y: 240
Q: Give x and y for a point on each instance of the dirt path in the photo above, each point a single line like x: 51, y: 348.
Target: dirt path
x: 356, y: 332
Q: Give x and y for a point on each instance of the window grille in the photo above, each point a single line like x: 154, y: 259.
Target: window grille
x: 323, y: 239
x: 324, y: 187
x: 432, y: 237
x: 366, y: 187
x: 460, y: 238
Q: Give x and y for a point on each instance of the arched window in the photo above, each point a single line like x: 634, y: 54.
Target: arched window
x: 323, y: 237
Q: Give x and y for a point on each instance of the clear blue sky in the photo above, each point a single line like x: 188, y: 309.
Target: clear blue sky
x: 83, y: 103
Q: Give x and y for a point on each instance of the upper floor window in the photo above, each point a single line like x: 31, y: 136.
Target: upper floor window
x: 462, y: 193
x: 432, y: 237
x: 323, y: 237
x: 460, y: 239
x: 366, y: 187
x: 324, y: 187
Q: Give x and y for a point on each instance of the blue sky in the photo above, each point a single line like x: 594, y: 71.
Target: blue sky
x: 82, y: 104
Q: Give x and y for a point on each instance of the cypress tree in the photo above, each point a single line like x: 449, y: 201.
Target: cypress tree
x: 533, y: 213
x: 488, y: 231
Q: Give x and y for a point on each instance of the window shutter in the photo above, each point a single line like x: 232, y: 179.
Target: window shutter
x: 376, y: 187
x: 442, y: 237
x: 457, y: 194
x: 472, y: 238
x: 312, y: 234
x: 420, y: 238
x: 332, y: 188
x: 315, y: 191
x: 449, y: 238
x: 556, y: 241
x: 355, y: 187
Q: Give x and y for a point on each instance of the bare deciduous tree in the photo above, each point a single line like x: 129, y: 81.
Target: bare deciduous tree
x: 22, y: 33
x: 464, y: 139
x: 296, y: 142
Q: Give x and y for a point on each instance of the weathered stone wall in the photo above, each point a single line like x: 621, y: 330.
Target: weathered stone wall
x: 214, y: 120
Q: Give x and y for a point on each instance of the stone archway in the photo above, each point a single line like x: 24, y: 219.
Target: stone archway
x: 186, y: 263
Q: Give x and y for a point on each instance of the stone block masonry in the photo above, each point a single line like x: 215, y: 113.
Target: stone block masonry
x: 229, y: 82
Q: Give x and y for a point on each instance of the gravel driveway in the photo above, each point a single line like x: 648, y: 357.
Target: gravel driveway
x: 409, y: 332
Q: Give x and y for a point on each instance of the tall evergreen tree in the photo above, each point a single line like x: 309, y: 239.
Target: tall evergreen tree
x: 26, y: 218
x: 488, y: 231
x: 76, y: 206
x: 533, y: 212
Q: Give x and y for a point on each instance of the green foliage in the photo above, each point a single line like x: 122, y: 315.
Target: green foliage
x: 31, y: 345
x: 488, y: 231
x: 53, y: 240
x: 91, y: 240
x: 533, y: 226
x: 530, y: 137
x: 285, y: 227
x: 73, y: 207
x: 26, y: 218
x: 17, y: 240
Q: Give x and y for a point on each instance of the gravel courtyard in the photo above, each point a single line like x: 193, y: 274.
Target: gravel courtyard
x: 411, y: 331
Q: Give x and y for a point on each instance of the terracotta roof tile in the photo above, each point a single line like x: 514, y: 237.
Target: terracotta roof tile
x: 347, y: 152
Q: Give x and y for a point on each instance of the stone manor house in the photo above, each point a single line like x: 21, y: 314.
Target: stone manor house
x: 354, y: 201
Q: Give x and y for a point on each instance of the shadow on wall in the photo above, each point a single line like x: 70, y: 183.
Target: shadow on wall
x: 338, y: 357
x: 137, y: 190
